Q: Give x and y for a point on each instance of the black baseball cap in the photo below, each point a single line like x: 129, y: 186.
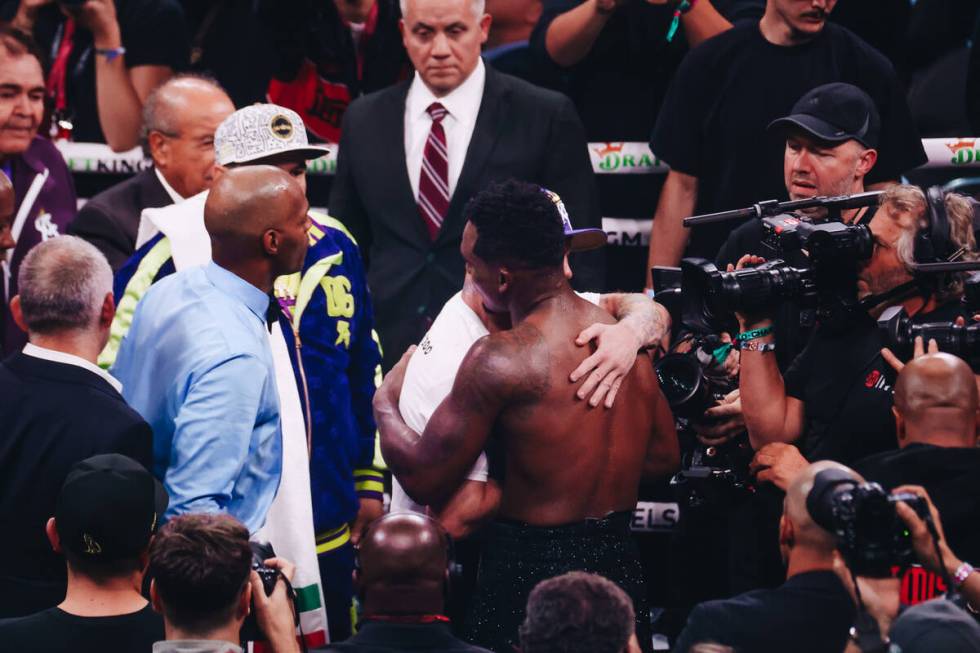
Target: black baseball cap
x: 835, y: 113
x: 108, y: 508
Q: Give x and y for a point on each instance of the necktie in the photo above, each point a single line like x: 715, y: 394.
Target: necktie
x: 434, y: 179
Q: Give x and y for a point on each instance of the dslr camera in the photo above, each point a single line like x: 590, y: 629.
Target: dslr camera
x: 261, y: 551
x: 871, y: 536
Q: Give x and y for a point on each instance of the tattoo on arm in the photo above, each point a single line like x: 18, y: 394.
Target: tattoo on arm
x: 648, y: 319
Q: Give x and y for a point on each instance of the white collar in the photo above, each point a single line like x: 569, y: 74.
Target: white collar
x: 462, y: 103
x: 174, y: 195
x: 44, y: 353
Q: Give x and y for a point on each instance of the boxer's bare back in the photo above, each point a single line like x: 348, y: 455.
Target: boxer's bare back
x: 565, y: 461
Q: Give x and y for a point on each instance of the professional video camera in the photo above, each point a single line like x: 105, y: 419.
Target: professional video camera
x: 814, y: 263
x: 899, y: 332
x: 693, y: 382
x: 871, y: 536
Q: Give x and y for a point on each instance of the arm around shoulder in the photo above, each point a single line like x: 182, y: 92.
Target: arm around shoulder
x: 434, y: 466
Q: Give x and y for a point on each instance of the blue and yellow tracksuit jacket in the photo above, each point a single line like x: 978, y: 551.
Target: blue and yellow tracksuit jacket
x: 327, y: 321
x: 331, y: 326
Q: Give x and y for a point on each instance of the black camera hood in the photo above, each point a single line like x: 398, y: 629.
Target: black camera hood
x: 820, y: 500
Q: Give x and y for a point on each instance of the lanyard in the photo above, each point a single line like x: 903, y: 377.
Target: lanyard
x: 360, y: 44
x: 58, y: 77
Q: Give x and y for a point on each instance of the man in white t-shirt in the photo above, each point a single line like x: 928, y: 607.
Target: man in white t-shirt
x: 464, y: 320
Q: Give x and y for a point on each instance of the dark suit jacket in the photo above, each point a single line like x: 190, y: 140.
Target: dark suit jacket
x: 110, y: 219
x: 521, y: 131
x: 384, y: 637
x: 51, y: 416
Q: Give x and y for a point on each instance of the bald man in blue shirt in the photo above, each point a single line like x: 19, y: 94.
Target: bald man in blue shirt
x: 197, y: 364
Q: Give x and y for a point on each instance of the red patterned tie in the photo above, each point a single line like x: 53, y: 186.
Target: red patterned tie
x: 434, y: 179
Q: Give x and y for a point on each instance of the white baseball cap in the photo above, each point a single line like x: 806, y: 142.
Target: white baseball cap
x: 259, y: 131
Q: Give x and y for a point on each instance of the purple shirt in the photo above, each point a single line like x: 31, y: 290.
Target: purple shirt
x: 49, y: 216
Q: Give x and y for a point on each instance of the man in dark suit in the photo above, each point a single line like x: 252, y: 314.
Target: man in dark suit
x: 56, y: 407
x: 179, y: 121
x: 402, y: 581
x: 412, y: 155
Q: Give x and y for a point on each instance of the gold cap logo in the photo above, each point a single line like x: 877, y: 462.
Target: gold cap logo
x: 281, y: 127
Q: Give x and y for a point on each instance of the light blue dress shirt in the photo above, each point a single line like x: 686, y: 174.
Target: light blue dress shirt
x: 197, y: 365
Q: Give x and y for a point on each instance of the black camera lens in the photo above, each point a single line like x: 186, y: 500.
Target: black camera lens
x: 683, y: 384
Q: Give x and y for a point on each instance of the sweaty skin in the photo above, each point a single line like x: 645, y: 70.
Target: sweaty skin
x: 565, y: 461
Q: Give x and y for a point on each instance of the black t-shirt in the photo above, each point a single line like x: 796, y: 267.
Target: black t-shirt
x: 809, y: 612
x: 619, y: 85
x: 726, y: 92
x: 949, y: 475
x: 153, y: 32
x: 847, y: 389
x: 56, y: 631
x: 230, y: 43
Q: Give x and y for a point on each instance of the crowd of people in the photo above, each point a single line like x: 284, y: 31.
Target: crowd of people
x: 422, y: 417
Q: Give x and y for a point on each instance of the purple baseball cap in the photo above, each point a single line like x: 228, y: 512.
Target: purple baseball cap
x: 579, y: 240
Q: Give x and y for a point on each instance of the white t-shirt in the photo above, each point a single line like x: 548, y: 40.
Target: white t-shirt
x: 430, y: 376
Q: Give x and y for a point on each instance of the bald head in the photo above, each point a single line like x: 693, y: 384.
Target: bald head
x: 403, y: 564
x: 936, y: 402
x: 179, y: 121
x: 404, y: 548
x: 805, y: 531
x: 257, y: 219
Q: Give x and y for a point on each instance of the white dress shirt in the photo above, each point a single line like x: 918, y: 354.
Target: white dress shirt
x: 70, y: 359
x: 174, y: 195
x: 463, y: 105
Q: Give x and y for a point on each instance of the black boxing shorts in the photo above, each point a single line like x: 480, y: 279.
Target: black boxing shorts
x: 517, y: 556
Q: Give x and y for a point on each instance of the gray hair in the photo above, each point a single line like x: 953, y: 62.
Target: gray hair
x: 62, y: 283
x: 910, y: 200
x: 479, y: 7
x: 158, y: 110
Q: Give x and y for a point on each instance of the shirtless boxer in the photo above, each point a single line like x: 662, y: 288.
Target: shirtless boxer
x: 571, y: 471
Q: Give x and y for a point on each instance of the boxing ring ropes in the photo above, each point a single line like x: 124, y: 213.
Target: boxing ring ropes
x: 616, y: 158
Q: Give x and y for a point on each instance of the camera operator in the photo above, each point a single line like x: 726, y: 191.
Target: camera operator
x: 832, y: 134
x: 836, y: 397
x: 811, y: 611
x: 936, y: 404
x: 203, y: 584
x: 938, y: 625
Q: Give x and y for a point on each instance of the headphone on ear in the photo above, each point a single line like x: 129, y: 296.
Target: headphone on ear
x: 933, y: 243
x: 454, y: 570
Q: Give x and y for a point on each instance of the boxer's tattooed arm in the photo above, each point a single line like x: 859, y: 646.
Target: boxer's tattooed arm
x: 648, y: 319
x: 642, y: 323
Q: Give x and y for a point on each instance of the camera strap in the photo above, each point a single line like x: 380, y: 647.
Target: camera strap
x: 865, y: 632
x: 898, y: 292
